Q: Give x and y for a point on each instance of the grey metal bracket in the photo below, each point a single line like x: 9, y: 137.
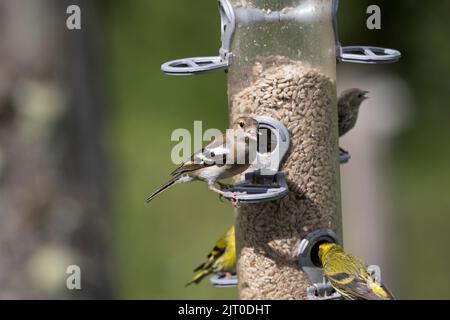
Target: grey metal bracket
x: 201, y: 65
x: 375, y: 273
x: 344, y: 157
x: 269, y: 163
x: 258, y: 188
x: 322, y: 291
x: 265, y: 183
x: 222, y: 282
x: 368, y: 55
x: 361, y: 54
x: 309, y: 261
x: 308, y: 253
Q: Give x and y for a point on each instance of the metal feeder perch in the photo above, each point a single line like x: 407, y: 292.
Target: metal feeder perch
x: 201, y: 65
x: 222, y: 282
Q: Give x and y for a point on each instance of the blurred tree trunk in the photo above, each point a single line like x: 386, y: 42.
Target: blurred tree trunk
x: 53, y: 203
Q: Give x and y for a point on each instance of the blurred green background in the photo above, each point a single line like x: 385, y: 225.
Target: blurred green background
x: 158, y: 245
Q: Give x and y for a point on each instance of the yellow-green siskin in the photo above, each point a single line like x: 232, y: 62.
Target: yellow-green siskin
x: 348, y: 108
x: 348, y: 275
x: 221, y: 259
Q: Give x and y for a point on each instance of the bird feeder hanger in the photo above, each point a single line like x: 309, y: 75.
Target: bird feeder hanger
x: 229, y: 18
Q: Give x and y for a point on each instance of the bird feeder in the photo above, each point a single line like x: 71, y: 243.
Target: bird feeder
x: 281, y: 58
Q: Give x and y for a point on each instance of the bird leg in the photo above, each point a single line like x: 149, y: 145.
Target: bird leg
x: 232, y: 196
x: 214, y: 189
x: 224, y: 186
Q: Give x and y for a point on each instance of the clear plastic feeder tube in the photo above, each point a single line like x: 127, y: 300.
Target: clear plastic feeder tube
x: 284, y: 66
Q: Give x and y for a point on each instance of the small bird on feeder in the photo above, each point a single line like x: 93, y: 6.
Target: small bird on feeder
x: 348, y: 275
x: 221, y: 259
x: 349, y: 103
x: 225, y: 157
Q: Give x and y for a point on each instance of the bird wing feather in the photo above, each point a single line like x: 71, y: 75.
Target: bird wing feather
x: 221, y: 258
x: 354, y: 288
x: 349, y: 277
x: 214, y: 152
x: 215, y: 253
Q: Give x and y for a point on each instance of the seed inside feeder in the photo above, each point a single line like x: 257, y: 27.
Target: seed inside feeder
x: 304, y: 99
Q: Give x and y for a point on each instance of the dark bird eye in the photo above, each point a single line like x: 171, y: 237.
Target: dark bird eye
x: 360, y: 96
x: 241, y: 124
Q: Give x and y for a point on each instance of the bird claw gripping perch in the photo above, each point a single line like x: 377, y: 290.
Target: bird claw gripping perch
x: 233, y: 197
x: 309, y: 261
x: 231, y: 16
